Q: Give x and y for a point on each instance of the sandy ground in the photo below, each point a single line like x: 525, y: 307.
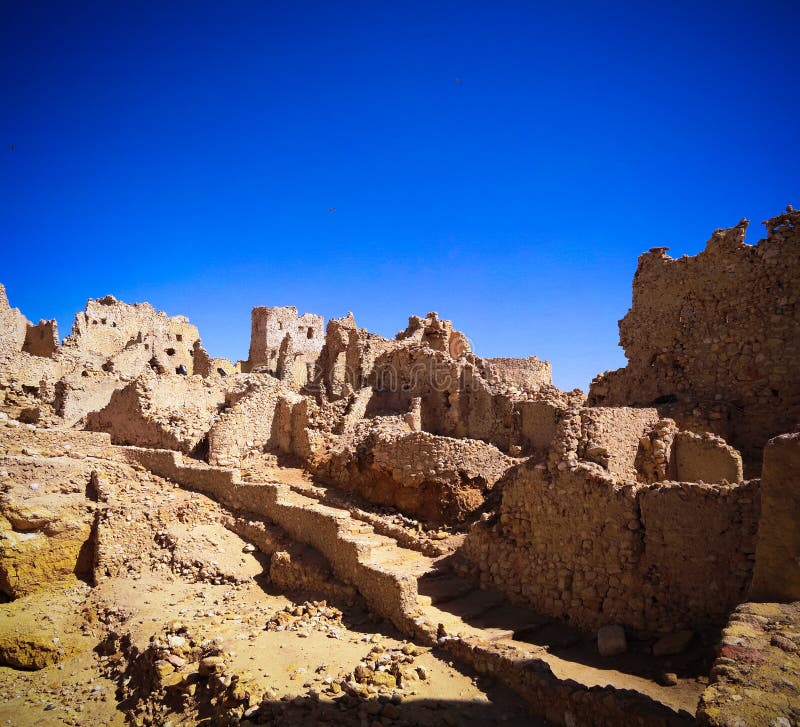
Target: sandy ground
x: 292, y: 668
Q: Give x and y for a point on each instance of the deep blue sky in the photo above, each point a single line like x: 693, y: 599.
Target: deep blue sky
x: 187, y: 154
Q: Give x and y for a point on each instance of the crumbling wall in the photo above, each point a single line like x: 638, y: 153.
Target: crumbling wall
x: 777, y: 571
x: 439, y: 479
x: 125, y: 339
x: 348, y: 357
x: 457, y: 401
x: 169, y: 412
x: 80, y: 393
x: 41, y: 339
x: 699, y: 545
x: 205, y: 365
x: 575, y: 544
x: 538, y: 422
x: 713, y: 340
x: 13, y: 326
x: 611, y: 437
x: 28, y: 371
x: 251, y: 422
x: 436, y: 334
x: 285, y: 344
x: 704, y: 458
x: 405, y: 373
x: 526, y: 373
x: 455, y: 393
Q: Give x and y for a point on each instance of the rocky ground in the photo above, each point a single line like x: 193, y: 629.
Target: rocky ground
x: 756, y: 677
x: 171, y: 618
x: 133, y: 600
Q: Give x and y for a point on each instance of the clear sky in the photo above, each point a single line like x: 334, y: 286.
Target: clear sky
x: 501, y: 163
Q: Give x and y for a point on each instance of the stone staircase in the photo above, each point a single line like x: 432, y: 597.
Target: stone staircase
x: 423, y: 598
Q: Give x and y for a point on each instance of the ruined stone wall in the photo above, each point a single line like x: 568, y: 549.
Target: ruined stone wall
x: 611, y: 437
x: 526, y: 373
x: 777, y: 572
x: 250, y: 423
x: 170, y: 412
x: 41, y: 339
x: 704, y: 458
x: 125, y: 339
x: 348, y: 357
x: 285, y: 344
x: 436, y: 334
x: 457, y: 401
x: 575, y: 544
x: 78, y: 393
x: 13, y: 327
x: 28, y: 369
x: 205, y: 365
x: 427, y: 364
x: 440, y: 479
x: 538, y: 423
x: 713, y: 340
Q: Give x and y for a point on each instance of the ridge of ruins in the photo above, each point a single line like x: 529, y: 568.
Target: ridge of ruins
x: 361, y: 530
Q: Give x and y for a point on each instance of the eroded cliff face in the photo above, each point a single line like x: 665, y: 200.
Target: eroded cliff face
x: 713, y: 340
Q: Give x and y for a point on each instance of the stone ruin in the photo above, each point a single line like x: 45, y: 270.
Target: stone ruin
x: 712, y: 341
x: 627, y: 557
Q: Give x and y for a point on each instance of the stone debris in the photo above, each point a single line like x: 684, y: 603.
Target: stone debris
x: 309, y: 616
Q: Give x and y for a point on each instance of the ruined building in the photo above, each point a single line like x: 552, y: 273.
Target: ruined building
x: 710, y: 339
x: 284, y: 344
x: 630, y: 557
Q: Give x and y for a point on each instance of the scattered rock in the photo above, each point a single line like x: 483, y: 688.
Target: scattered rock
x: 668, y: 679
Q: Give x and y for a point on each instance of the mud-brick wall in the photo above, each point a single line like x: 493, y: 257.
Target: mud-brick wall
x: 699, y: 549
x: 713, y: 340
x: 575, y: 545
x: 253, y: 422
x: 523, y: 372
